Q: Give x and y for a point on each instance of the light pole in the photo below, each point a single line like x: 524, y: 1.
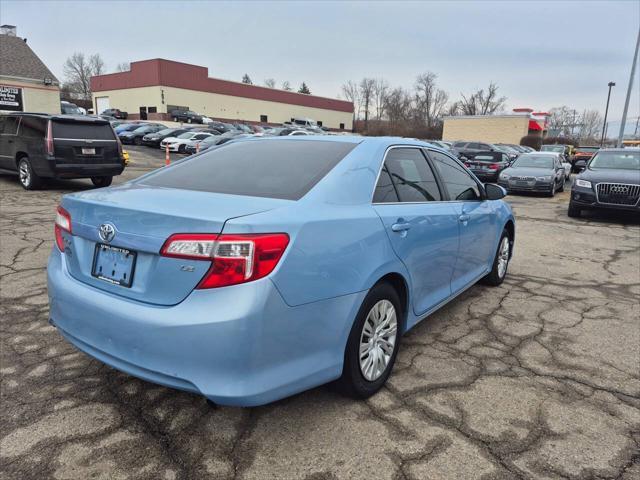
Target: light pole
x: 626, y: 102
x: 606, y: 111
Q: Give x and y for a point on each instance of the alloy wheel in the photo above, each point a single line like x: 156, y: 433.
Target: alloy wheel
x: 25, y: 173
x: 503, y: 257
x: 378, y: 340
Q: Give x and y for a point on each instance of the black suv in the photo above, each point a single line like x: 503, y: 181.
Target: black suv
x: 186, y: 116
x: 38, y: 146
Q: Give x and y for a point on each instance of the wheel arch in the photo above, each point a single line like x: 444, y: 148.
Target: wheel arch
x: 20, y: 155
x: 400, y: 285
x: 510, y: 227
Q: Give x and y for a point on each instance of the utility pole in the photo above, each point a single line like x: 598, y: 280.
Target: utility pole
x: 626, y: 102
x: 606, y: 112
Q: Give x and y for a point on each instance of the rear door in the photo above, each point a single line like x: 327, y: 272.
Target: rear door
x: 8, y: 137
x: 422, y: 229
x: 476, y: 221
x: 84, y: 142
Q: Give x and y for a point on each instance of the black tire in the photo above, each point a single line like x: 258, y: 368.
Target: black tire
x: 100, y: 182
x: 494, y: 278
x: 573, y: 211
x: 188, y: 120
x: 175, y: 119
x: 137, y: 141
x: 352, y: 382
x: 552, y: 193
x: 561, y: 189
x: 182, y: 148
x: 28, y: 178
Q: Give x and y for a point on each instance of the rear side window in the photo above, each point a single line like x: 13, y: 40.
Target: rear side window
x: 385, y: 190
x: 285, y: 169
x: 10, y: 125
x: 82, y: 130
x: 33, y: 127
x: 412, y: 176
x: 459, y: 184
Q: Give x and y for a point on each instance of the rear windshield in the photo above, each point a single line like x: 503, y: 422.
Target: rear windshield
x: 285, y: 169
x: 82, y: 130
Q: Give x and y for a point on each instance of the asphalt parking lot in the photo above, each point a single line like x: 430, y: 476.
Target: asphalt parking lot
x: 539, y: 378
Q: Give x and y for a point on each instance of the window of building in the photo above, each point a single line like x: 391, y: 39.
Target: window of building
x: 263, y: 118
x: 411, y: 175
x: 459, y: 184
x: 152, y: 110
x: 342, y: 126
x: 319, y: 123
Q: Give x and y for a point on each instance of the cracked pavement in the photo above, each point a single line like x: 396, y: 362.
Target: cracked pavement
x: 536, y: 379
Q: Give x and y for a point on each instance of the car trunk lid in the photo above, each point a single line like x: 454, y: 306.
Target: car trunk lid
x: 141, y: 219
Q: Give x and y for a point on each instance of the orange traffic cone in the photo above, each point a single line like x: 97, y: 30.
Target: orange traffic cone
x: 167, y: 158
x: 198, y: 147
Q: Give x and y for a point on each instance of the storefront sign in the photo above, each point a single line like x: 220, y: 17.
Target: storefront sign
x: 11, y: 98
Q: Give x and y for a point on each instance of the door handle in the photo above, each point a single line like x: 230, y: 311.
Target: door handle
x: 400, y: 226
x: 464, y: 218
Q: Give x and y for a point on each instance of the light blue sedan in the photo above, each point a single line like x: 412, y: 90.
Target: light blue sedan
x: 269, y: 266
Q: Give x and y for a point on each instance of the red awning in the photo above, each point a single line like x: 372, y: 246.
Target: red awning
x: 533, y: 125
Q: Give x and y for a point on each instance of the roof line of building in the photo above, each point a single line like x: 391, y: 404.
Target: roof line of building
x: 169, y: 73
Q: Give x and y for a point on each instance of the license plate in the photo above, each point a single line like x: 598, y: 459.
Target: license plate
x: 88, y: 151
x: 114, y: 265
x: 522, y: 183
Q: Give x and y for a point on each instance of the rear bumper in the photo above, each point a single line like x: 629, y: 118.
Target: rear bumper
x: 239, y: 345
x: 54, y: 168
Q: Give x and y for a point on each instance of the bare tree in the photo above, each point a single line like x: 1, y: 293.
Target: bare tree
x: 481, y: 102
x: 351, y: 92
x: 430, y: 100
x: 398, y: 106
x: 367, y: 86
x: 123, y: 67
x: 247, y: 79
x: 561, y: 121
x: 380, y: 90
x: 270, y: 82
x: 78, y: 70
x: 286, y: 86
x: 590, y: 125
x: 453, y: 109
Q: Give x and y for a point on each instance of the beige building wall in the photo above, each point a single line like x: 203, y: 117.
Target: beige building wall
x: 36, y: 98
x: 487, y: 128
x: 220, y: 106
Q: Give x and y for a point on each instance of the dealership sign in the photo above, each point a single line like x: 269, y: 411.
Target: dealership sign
x: 11, y: 98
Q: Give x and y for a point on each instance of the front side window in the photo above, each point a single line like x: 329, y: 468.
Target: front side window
x: 411, y: 175
x: 459, y: 184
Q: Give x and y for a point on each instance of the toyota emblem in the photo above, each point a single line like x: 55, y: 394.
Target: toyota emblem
x: 107, y: 232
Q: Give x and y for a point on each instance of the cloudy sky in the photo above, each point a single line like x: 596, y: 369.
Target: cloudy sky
x: 541, y: 54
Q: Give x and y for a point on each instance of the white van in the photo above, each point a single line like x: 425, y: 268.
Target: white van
x: 304, y: 122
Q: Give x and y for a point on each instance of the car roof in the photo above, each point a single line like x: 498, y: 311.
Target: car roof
x: 550, y: 154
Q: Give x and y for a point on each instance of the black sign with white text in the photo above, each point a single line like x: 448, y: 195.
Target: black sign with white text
x: 11, y: 98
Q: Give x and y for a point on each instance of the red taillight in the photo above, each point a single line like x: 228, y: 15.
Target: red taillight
x: 235, y: 258
x: 49, y: 140
x: 494, y: 166
x: 466, y: 164
x: 63, y: 222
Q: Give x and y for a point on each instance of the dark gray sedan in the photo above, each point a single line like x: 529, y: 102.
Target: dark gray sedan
x: 534, y: 172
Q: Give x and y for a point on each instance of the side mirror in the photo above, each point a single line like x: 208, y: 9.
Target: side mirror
x: 494, y: 192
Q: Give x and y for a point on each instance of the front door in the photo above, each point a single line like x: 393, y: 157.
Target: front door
x: 143, y: 113
x: 422, y: 229
x: 476, y: 222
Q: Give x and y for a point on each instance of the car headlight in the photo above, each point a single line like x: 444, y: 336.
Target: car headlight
x: 504, y: 176
x: 583, y: 183
x: 544, y: 179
